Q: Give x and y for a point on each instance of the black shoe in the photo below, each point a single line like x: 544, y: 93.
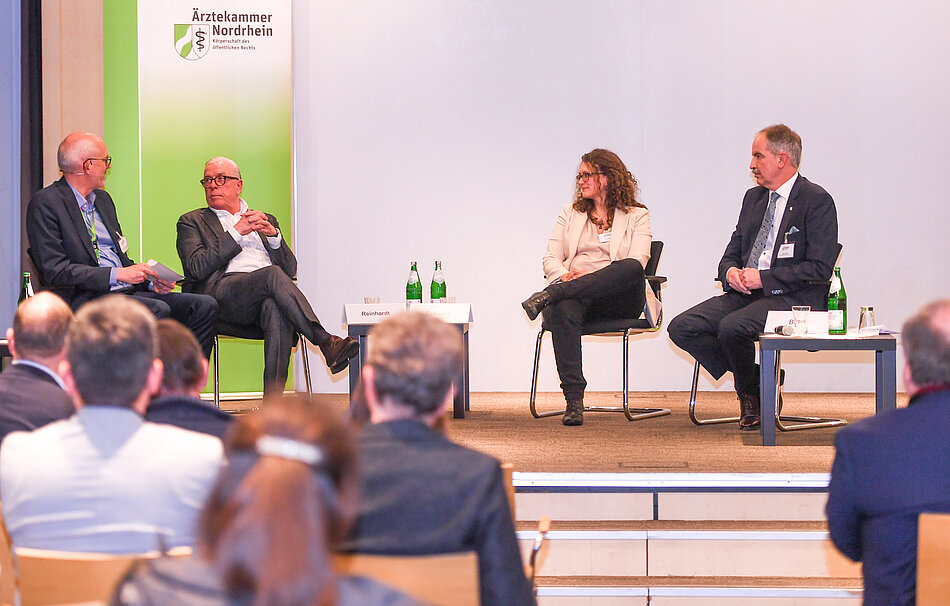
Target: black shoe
x: 574, y: 413
x: 749, y: 405
x: 338, y: 352
x: 535, y: 303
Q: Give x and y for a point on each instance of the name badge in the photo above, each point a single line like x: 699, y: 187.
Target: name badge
x: 124, y: 244
x: 604, y: 237
x: 786, y: 251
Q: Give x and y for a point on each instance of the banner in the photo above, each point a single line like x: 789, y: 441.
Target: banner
x: 185, y: 82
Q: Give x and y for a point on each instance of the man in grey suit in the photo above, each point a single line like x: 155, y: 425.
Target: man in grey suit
x: 105, y: 480
x: 421, y: 492
x: 239, y: 256
x: 31, y: 392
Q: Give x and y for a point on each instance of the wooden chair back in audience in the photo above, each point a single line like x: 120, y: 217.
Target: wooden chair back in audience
x: 509, y: 472
x: 7, y: 576
x: 933, y: 559
x: 47, y: 577
x: 441, y: 580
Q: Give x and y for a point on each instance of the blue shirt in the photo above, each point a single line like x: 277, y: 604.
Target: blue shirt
x: 108, y: 257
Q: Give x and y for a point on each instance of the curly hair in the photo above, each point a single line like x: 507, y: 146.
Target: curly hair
x: 622, y: 187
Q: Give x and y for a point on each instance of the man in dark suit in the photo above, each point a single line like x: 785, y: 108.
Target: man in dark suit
x: 239, y: 256
x: 32, y: 394
x: 891, y: 467
x: 783, y: 247
x: 185, y: 373
x: 77, y: 244
x: 422, y: 493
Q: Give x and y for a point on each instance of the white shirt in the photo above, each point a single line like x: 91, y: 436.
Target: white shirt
x: 765, y: 260
x: 253, y: 256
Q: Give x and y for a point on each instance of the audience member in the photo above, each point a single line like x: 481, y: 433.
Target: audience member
x: 422, y: 493
x: 783, y: 247
x: 891, y: 467
x: 239, y: 256
x: 31, y: 392
x: 78, y: 247
x: 185, y: 374
x: 105, y: 480
x: 289, y: 491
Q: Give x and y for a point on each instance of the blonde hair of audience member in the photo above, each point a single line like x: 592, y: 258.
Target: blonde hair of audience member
x: 39, y: 330
x: 411, y: 368
x: 269, y: 523
x: 185, y: 367
x: 112, y: 354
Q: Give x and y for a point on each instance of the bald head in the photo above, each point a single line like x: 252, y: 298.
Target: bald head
x: 39, y: 327
x: 74, y: 150
x: 926, y: 341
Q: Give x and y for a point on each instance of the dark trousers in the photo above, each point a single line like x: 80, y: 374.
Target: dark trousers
x: 269, y: 298
x: 721, y: 333
x: 615, y: 291
x: 197, y: 312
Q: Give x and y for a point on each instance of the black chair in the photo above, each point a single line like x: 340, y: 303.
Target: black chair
x: 614, y: 327
x: 244, y: 331
x: 801, y: 422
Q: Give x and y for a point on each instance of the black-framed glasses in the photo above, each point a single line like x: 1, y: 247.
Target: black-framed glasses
x: 107, y: 160
x: 581, y: 177
x: 220, y: 180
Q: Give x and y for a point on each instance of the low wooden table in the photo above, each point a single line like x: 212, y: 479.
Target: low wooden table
x: 361, y: 318
x: 771, y: 347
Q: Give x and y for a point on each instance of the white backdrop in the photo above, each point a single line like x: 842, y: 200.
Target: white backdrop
x: 451, y: 130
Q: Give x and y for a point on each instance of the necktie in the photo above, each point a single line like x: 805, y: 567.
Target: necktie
x: 89, y: 216
x: 766, y: 228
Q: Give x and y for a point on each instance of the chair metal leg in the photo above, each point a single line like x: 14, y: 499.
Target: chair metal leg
x: 302, y: 343
x: 534, y: 383
x: 217, y: 388
x: 692, y: 404
x: 632, y: 414
x: 802, y: 422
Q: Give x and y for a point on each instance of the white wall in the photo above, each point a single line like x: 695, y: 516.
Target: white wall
x: 451, y: 130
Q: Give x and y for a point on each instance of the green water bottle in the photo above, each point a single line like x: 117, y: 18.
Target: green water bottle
x: 413, y: 286
x: 26, y: 289
x: 837, y: 306
x: 437, y: 288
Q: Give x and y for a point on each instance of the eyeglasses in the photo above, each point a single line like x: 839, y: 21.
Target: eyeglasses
x: 107, y: 160
x: 220, y: 180
x: 581, y: 177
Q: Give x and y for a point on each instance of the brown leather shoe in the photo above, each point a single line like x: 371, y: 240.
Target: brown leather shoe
x: 749, y: 404
x: 338, y: 352
x: 574, y: 413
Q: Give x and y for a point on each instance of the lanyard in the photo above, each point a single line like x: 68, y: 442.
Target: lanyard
x: 89, y: 216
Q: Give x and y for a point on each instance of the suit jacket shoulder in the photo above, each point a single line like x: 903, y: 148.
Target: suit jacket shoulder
x: 29, y: 398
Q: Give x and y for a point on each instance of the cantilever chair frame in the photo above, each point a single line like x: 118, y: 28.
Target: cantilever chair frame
x: 632, y: 414
x: 801, y: 421
x: 301, y: 342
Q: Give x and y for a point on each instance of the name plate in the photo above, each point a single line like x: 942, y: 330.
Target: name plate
x: 374, y: 313
x: 817, y: 325
x: 453, y: 313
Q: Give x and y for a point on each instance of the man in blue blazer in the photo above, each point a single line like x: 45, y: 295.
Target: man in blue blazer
x: 891, y: 467
x: 77, y: 244
x: 784, y: 245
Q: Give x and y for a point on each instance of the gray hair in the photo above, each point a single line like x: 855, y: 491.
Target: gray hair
x: 926, y: 341
x: 40, y: 325
x: 75, y: 149
x: 783, y: 139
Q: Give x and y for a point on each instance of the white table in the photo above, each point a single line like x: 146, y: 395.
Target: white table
x: 361, y: 318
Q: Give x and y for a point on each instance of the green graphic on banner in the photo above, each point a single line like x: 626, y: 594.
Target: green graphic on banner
x: 167, y: 113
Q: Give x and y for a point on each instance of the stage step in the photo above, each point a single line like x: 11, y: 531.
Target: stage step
x: 698, y: 591
x: 675, y: 496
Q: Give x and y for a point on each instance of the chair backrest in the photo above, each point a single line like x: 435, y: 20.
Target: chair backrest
x: 7, y: 576
x: 656, y: 249
x: 441, y: 580
x: 508, y: 471
x: 933, y: 559
x: 46, y: 577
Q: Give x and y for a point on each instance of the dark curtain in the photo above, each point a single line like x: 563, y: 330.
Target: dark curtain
x: 31, y: 103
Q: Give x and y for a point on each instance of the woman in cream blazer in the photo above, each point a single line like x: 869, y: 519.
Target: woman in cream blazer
x: 593, y: 265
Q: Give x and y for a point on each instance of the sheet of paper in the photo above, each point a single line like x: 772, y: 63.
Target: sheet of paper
x: 164, y: 272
